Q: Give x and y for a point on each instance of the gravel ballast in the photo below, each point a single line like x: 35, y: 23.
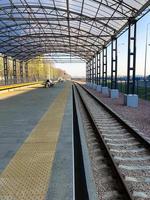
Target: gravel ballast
x: 127, y: 147
x: 139, y: 117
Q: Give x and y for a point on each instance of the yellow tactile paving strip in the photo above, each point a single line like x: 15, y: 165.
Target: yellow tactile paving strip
x: 27, y: 175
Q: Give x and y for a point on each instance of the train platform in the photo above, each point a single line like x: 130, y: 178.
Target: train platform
x: 34, y: 132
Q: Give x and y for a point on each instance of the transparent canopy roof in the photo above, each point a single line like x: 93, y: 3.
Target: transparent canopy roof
x: 80, y: 28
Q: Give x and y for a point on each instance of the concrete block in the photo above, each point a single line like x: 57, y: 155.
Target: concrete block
x: 125, y: 99
x: 114, y: 93
x: 91, y: 85
x: 94, y: 86
x: 99, y: 88
x: 105, y: 91
x: 131, y: 100
x: 87, y: 84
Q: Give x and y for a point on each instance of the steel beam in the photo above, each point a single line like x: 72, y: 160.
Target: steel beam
x: 131, y: 57
x: 14, y: 71
x: 104, y: 69
x: 38, y: 35
x: 5, y: 62
x: 25, y: 17
x: 114, y: 63
x: 84, y: 18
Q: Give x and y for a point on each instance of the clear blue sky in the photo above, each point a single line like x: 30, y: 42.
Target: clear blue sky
x: 78, y: 69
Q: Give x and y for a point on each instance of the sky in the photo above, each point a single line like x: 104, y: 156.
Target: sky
x: 79, y: 69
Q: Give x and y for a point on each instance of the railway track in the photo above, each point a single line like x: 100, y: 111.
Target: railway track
x: 120, y: 157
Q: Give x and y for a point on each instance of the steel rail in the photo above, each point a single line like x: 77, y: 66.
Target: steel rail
x: 131, y: 129
x: 124, y: 189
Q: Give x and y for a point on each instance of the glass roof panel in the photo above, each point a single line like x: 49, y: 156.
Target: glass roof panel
x: 69, y: 25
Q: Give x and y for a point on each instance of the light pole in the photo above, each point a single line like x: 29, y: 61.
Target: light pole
x: 145, y: 66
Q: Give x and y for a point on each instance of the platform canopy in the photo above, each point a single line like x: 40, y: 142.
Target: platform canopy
x: 63, y: 28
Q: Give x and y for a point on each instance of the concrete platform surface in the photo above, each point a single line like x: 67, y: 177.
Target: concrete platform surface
x: 18, y: 116
x: 30, y: 125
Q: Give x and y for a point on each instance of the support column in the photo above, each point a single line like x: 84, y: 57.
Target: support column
x: 96, y: 69
x: 5, y: 62
x: 89, y: 71
x: 14, y: 71
x: 21, y: 71
x: 131, y: 99
x: 100, y: 68
x: 104, y: 69
x: 99, y: 87
x: 26, y: 72
x: 114, y: 92
x: 93, y: 70
x: 131, y: 57
x: 86, y: 72
x: 114, y: 63
x: 97, y: 72
x: 104, y: 88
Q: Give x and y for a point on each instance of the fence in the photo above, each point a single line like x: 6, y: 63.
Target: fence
x: 142, y: 88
